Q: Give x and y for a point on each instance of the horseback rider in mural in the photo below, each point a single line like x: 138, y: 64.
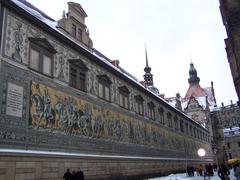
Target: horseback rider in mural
x: 43, y: 107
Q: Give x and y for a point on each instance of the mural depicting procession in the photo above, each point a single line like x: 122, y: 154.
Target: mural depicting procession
x: 59, y: 112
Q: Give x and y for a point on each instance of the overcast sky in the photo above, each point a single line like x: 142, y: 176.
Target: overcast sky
x: 176, y: 32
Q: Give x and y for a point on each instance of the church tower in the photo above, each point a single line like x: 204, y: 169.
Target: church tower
x: 193, y: 79
x: 148, y: 77
x: 194, y: 89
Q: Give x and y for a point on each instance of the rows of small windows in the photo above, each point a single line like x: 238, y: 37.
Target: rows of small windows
x: 41, y: 60
x: 236, y: 144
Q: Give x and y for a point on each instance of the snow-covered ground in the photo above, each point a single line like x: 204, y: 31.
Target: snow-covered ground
x: 183, y: 177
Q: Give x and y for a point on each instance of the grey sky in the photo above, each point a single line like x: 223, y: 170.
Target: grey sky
x: 175, y: 32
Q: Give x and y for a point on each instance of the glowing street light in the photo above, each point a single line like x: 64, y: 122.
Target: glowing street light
x: 201, y: 152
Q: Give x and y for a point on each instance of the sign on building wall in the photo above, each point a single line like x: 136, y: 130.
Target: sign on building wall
x: 14, y: 100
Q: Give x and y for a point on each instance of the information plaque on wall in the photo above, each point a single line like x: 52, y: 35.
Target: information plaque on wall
x: 14, y: 100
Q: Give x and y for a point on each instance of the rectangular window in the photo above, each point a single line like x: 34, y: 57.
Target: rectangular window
x: 73, y: 77
x: 77, y: 73
x: 74, y: 30
x: 107, y: 93
x: 124, y: 97
x: 176, y: 123
x: 152, y: 114
x: 34, y: 59
x: 186, y: 128
x: 82, y: 81
x: 100, y: 90
x: 79, y: 34
x: 104, y: 87
x: 121, y: 100
x: 139, y: 105
x: 151, y: 110
x: 41, y: 56
x: 191, y: 130
x: 238, y: 143
x: 126, y: 102
x: 47, y: 65
x: 181, y: 126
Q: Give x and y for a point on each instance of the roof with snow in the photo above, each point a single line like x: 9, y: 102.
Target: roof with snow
x: 233, y: 131
x: 196, y: 91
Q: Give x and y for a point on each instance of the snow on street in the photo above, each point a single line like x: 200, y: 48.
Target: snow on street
x: 183, y: 177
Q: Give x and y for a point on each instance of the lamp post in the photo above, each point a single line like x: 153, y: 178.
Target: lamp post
x: 186, y: 156
x: 201, y: 152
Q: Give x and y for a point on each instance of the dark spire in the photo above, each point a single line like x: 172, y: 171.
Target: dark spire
x: 193, y: 79
x: 148, y: 77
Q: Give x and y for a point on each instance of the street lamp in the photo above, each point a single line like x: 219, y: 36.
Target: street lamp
x: 201, y: 152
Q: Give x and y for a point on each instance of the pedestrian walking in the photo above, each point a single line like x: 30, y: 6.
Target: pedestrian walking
x: 67, y: 175
x: 80, y: 175
x: 223, y: 172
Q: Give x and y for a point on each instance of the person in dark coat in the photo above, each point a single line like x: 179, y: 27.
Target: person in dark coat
x: 215, y: 167
x: 209, y: 169
x: 80, y: 175
x: 67, y: 175
x: 74, y: 176
x: 223, y: 172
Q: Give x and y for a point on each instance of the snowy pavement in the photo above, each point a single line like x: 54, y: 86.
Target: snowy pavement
x: 183, y: 177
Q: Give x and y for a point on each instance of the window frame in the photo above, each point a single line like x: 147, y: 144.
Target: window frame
x: 151, y: 110
x: 81, y: 74
x: 161, y: 115
x: 169, y: 117
x: 44, y: 48
x: 124, y: 97
x: 74, y: 30
x: 79, y: 34
x: 139, y: 106
x: 181, y: 125
x: 105, y: 81
x: 176, y: 124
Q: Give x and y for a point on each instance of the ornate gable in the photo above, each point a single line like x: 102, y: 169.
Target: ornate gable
x: 78, y: 9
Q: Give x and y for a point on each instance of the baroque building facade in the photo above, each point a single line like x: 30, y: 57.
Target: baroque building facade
x: 226, y: 131
x: 197, y: 102
x: 223, y: 122
x: 63, y: 104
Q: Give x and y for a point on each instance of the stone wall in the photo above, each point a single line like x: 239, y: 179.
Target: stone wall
x: 18, y: 166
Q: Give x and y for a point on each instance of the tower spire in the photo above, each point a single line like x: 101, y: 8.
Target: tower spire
x: 146, y: 55
x: 148, y: 77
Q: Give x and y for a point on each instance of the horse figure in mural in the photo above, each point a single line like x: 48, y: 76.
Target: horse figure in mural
x: 70, y: 119
x: 60, y: 108
x: 73, y: 120
x: 43, y: 111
